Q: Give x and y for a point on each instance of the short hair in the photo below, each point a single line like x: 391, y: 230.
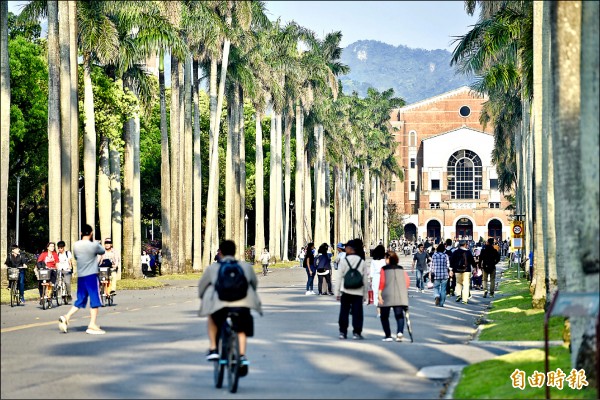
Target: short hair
x: 322, y: 249
x: 441, y: 247
x: 393, y: 257
x: 86, y: 230
x: 61, y: 243
x: 420, y: 245
x: 379, y: 252
x: 449, y: 242
x: 491, y: 241
x: 227, y: 248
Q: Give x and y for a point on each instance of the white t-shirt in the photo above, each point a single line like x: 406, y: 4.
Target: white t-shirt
x: 63, y: 260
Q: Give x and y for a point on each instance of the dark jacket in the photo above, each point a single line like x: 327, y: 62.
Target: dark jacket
x: 323, y: 261
x: 15, y: 262
x: 488, y: 258
x: 457, y: 255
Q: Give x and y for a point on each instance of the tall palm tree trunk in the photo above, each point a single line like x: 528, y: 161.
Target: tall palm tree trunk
x: 367, y: 207
x: 165, y: 170
x: 299, y: 183
x: 197, y: 181
x: 188, y: 166
x: 128, y: 160
x: 229, y: 169
x: 259, y: 234
x: 89, y: 150
x: 136, y: 197
x: 210, y: 204
x: 327, y: 203
x: 242, y: 179
x: 54, y: 142
x: 65, y: 119
x: 279, y: 189
x: 308, y: 197
x: 104, y: 196
x: 74, y: 122
x: 385, y: 217
x: 173, y: 254
x: 4, y: 128
x: 181, y: 167
x: 317, y: 233
x: 272, y: 183
x: 287, y: 182
x: 117, y: 209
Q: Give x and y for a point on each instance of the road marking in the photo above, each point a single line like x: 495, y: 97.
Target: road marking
x: 154, y: 306
x: 134, y: 309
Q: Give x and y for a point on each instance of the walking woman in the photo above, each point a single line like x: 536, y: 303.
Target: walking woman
x: 393, y: 294
x: 377, y: 263
x: 145, y: 260
x: 323, y: 264
x: 309, y: 266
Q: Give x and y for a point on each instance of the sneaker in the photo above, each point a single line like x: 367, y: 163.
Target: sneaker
x: 312, y: 292
x: 458, y: 298
x: 464, y: 302
x: 95, y: 331
x: 62, y: 324
x: 492, y: 295
x: 399, y: 336
x: 342, y: 336
x: 243, y: 371
x: 22, y: 301
x: 484, y: 294
x: 470, y: 296
x: 330, y: 294
x: 357, y: 336
x: 387, y: 339
x: 307, y: 293
x: 212, y: 355
x: 437, y: 300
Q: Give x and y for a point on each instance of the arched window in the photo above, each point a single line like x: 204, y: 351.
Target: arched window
x: 464, y: 175
x: 412, y: 138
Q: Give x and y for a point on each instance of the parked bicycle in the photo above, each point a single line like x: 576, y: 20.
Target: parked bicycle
x: 44, y: 277
x: 228, y: 346
x: 13, y: 279
x: 104, y: 278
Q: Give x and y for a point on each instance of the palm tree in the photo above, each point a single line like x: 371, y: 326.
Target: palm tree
x: 74, y: 122
x: 5, y: 127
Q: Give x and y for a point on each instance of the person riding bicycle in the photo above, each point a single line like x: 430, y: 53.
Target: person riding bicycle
x: 16, y: 260
x: 109, y: 259
x: 65, y: 265
x: 216, y: 310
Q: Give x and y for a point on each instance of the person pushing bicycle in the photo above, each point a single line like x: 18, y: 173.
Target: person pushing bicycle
x: 217, y: 310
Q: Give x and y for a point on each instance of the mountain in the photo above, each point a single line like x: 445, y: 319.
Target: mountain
x: 414, y: 74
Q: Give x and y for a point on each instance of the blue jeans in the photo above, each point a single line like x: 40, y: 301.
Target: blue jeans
x: 22, y: 283
x: 419, y: 278
x: 302, y: 262
x: 439, y: 289
x: 311, y: 279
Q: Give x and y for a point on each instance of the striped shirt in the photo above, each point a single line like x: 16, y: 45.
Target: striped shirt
x: 439, y: 265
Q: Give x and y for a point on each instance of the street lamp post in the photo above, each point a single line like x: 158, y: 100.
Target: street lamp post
x: 81, y: 183
x: 246, y: 239
x: 18, y: 202
x: 292, y: 227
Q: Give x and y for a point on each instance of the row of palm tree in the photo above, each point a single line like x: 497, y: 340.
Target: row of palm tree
x: 538, y: 64
x: 283, y: 70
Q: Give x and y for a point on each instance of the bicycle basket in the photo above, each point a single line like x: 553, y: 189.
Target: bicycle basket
x: 104, y: 273
x: 13, y: 274
x: 44, y: 274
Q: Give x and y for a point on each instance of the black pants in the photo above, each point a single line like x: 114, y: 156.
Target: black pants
x: 398, y: 314
x: 146, y: 269
x: 328, y: 280
x: 354, y: 303
x: 451, y: 284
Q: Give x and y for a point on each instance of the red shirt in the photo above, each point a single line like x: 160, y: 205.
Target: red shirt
x: 51, y: 259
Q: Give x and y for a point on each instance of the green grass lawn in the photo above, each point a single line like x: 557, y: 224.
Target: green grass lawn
x: 491, y: 379
x: 511, y: 316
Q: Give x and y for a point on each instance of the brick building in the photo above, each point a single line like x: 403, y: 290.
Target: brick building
x: 450, y: 187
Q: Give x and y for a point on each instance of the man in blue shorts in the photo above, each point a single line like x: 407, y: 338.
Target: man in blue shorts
x: 86, y: 253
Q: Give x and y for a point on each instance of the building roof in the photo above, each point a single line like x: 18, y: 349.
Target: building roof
x: 454, y: 130
x: 434, y: 99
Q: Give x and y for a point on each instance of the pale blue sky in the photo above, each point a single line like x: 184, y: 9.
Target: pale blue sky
x: 417, y: 24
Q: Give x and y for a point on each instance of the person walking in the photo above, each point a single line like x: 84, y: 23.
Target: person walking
x: 265, y: 257
x: 440, y: 266
x: 488, y: 259
x: 462, y: 263
x: 451, y: 285
x: 377, y: 263
x: 16, y: 260
x: 420, y: 259
x: 301, y: 256
x: 351, y: 298
x: 393, y: 294
x: 145, y: 260
x: 309, y: 266
x: 86, y: 252
x: 65, y: 265
x: 323, y: 264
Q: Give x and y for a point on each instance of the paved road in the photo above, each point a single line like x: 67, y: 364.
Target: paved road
x: 155, y: 346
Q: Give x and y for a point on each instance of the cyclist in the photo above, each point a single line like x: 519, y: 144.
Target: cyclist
x: 109, y: 258
x: 86, y: 253
x: 16, y: 260
x: 50, y: 258
x: 216, y: 310
x: 65, y: 264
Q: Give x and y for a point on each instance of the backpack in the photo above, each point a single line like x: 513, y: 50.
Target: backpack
x: 321, y: 263
x: 353, y: 278
x: 231, y: 282
x: 462, y: 263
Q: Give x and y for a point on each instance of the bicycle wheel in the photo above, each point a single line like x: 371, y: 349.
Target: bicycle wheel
x: 103, y: 299
x: 58, y: 293
x: 220, y: 364
x: 14, y: 300
x: 233, y: 363
x: 44, y: 297
x: 110, y: 300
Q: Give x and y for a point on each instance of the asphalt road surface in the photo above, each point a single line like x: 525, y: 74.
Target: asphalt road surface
x: 155, y: 347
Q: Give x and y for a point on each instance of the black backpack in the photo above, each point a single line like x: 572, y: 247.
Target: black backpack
x: 461, y: 262
x: 231, y: 282
x: 353, y: 278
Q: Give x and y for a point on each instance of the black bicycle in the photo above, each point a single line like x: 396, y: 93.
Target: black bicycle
x: 13, y: 277
x: 228, y: 346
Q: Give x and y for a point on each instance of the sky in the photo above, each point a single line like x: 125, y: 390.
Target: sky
x: 427, y: 25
